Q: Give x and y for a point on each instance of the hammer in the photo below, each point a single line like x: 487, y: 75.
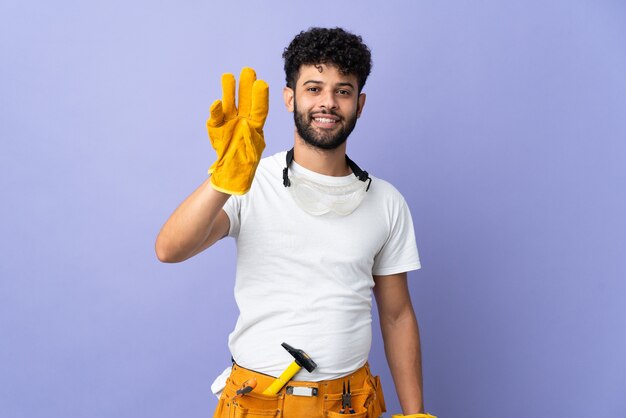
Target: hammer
x: 301, y: 359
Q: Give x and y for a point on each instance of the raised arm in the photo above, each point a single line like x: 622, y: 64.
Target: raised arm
x: 236, y: 134
x: 194, y: 226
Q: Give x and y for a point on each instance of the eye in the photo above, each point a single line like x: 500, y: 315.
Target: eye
x: 313, y: 89
x: 343, y: 92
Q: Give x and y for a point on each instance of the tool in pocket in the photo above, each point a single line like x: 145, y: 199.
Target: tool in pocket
x: 301, y: 359
x: 346, y: 400
x: 245, y: 388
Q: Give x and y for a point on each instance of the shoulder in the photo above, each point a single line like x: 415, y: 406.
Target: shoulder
x: 387, y: 201
x: 268, y: 174
x: 385, y: 191
x: 273, y: 164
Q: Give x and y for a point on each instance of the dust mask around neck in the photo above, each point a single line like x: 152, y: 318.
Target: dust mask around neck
x: 318, y: 197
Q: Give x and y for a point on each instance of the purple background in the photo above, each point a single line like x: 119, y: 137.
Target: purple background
x: 503, y: 123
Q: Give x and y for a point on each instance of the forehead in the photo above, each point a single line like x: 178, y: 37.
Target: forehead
x: 325, y: 73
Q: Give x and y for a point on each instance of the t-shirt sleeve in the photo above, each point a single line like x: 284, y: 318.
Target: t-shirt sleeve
x: 232, y: 207
x: 399, y: 253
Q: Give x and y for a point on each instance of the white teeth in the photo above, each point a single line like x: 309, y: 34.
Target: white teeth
x: 325, y: 120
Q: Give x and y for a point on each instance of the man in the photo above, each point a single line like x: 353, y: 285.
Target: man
x: 315, y: 234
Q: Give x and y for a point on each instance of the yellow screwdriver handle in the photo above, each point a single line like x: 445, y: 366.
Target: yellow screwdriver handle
x: 282, y: 379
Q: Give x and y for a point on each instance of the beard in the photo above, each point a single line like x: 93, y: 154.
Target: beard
x: 324, y: 140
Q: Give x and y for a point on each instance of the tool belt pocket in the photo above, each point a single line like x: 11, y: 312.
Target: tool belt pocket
x: 332, y: 405
x: 252, y: 405
x: 377, y: 402
x: 366, y: 402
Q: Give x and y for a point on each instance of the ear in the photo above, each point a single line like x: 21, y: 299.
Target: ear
x: 288, y: 97
x: 360, y: 104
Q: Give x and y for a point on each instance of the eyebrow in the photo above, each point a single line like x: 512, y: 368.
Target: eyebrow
x: 341, y: 84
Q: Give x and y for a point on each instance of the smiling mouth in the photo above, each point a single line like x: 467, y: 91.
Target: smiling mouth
x: 325, y: 120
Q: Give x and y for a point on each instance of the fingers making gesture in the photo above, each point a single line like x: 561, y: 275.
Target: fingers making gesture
x: 236, y: 132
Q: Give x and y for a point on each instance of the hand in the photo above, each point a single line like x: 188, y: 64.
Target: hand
x: 236, y: 133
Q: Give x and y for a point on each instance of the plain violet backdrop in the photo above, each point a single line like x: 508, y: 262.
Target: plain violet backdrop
x: 503, y: 123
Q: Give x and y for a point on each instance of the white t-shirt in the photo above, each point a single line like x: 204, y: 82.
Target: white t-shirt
x: 306, y: 280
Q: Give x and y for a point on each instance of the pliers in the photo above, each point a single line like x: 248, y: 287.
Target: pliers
x: 346, y: 400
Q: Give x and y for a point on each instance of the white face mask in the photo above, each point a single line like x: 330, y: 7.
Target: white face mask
x: 318, y: 199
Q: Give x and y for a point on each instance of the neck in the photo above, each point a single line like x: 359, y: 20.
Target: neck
x: 328, y: 162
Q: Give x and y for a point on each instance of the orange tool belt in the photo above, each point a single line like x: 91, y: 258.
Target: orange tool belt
x: 298, y: 399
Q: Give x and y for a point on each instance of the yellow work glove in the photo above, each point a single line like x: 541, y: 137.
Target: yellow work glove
x: 236, y: 132
x: 413, y: 416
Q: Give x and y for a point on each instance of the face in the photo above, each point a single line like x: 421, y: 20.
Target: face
x: 326, y: 105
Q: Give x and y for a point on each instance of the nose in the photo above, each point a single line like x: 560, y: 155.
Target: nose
x: 328, y: 100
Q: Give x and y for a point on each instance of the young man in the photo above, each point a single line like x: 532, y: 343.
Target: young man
x: 315, y: 234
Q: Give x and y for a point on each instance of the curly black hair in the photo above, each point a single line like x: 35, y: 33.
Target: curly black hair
x: 335, y: 46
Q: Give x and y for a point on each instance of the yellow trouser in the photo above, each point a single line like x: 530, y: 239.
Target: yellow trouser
x: 367, y: 397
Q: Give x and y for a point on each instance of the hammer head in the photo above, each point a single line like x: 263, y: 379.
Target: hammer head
x: 301, y: 358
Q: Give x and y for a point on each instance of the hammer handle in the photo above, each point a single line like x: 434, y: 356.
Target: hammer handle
x: 282, y: 379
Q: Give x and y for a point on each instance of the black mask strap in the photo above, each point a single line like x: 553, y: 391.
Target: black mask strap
x: 286, y: 181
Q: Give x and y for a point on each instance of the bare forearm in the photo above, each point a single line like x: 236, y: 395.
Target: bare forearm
x: 191, y: 226
x: 402, y: 347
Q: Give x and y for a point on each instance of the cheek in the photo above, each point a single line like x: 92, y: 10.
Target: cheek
x: 352, y: 109
x: 304, y: 102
